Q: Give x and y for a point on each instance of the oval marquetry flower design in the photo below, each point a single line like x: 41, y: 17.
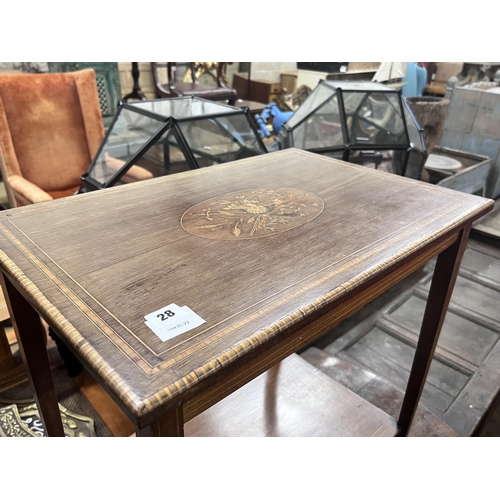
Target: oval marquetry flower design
x: 252, y: 213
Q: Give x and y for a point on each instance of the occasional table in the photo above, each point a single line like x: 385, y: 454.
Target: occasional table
x: 267, y: 252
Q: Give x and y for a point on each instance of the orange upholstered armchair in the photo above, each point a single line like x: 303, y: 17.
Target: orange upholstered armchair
x: 50, y: 130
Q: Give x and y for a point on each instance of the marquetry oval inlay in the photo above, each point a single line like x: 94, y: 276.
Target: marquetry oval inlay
x: 252, y: 213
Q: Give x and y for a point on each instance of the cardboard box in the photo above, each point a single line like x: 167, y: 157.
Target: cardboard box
x: 289, y: 82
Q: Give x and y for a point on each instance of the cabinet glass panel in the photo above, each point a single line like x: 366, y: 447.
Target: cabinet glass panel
x: 367, y: 122
x: 149, y: 139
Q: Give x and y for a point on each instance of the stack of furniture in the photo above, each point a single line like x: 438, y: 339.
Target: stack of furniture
x: 438, y: 75
x: 471, y: 125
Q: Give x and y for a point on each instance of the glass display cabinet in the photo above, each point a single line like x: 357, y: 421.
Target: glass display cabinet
x: 153, y: 138
x: 367, y: 123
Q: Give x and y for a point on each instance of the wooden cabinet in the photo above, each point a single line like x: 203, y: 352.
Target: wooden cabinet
x: 108, y: 83
x: 264, y: 91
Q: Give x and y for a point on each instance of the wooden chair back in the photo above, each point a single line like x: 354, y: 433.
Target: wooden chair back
x: 166, y: 86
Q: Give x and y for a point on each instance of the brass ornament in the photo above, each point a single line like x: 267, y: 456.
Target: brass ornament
x: 21, y: 419
x: 11, y: 424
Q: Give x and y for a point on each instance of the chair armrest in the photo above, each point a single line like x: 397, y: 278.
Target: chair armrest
x: 133, y: 174
x: 26, y: 190
x: 136, y: 173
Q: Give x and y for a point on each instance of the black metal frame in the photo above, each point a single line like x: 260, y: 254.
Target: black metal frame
x: 172, y: 124
x: 347, y: 148
x: 90, y: 184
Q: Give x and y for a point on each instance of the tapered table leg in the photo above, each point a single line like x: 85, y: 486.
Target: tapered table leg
x: 170, y: 425
x: 31, y: 340
x: 443, y: 281
x: 6, y: 359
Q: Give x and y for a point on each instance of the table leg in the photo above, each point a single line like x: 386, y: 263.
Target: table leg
x: 443, y: 281
x: 6, y: 359
x: 170, y: 425
x: 31, y: 340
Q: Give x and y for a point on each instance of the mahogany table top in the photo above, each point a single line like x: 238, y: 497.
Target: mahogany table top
x: 257, y: 248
